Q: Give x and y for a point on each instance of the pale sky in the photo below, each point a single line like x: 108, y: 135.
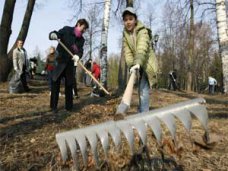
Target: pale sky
x: 53, y: 15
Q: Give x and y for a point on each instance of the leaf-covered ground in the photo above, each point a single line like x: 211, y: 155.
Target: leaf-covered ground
x: 28, y: 128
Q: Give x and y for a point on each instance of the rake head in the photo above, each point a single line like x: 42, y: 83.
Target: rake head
x: 77, y: 139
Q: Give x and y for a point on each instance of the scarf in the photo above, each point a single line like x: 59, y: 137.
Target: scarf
x: 77, y: 32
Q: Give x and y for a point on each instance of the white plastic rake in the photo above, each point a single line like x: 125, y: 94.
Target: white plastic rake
x: 77, y: 139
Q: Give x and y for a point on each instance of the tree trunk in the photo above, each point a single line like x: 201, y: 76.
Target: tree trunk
x: 23, y: 32
x: 223, y: 40
x: 25, y: 25
x: 104, y: 37
x: 5, y: 31
x: 191, y: 49
x: 122, y: 73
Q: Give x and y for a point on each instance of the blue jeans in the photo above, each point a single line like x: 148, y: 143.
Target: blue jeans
x: 144, y: 90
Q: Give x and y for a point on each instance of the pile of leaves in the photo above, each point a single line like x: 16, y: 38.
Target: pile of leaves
x: 28, y: 128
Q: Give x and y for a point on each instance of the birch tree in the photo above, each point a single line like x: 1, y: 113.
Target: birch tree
x: 223, y: 39
x: 104, y: 39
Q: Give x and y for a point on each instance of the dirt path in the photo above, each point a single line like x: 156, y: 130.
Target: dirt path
x: 28, y: 128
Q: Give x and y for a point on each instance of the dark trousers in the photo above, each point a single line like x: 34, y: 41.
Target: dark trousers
x: 55, y: 89
x: 211, y: 89
x: 24, y: 79
x: 172, y: 85
x: 49, y: 74
x: 75, y: 89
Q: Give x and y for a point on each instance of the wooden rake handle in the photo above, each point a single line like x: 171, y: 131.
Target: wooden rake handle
x: 87, y: 71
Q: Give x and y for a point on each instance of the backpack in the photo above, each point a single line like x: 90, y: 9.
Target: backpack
x: 151, y: 37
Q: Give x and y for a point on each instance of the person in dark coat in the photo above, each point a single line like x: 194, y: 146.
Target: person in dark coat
x: 72, y: 38
x: 173, y: 80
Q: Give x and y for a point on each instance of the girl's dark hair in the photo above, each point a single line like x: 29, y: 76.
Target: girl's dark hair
x: 83, y: 22
x: 127, y: 12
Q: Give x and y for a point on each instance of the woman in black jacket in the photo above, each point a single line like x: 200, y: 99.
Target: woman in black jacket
x: 72, y: 38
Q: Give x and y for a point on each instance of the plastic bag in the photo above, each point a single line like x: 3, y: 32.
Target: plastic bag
x: 15, y: 84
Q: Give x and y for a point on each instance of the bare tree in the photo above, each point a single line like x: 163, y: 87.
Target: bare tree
x: 113, y: 63
x: 174, y: 45
x: 5, y: 32
x: 94, y: 32
x: 25, y: 24
x: 6, y: 64
x: 191, y: 48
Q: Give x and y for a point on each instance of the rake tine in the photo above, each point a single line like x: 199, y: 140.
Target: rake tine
x: 73, y: 149
x: 103, y: 136
x: 92, y: 138
x: 154, y: 124
x: 170, y: 123
x: 185, y: 117
x: 128, y: 133
x: 80, y: 137
x: 61, y: 141
x: 139, y: 125
x: 114, y: 131
x: 201, y: 113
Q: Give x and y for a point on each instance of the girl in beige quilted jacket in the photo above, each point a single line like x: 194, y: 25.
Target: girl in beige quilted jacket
x: 139, y: 55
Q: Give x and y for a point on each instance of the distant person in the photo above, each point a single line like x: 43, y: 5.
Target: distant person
x: 96, y: 71
x: 88, y: 66
x: 74, y: 41
x: 50, y: 65
x: 172, y: 80
x: 212, y: 82
x: 33, y: 66
x: 20, y: 63
x: 139, y: 55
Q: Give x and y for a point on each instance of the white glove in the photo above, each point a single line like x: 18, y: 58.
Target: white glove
x: 134, y: 68
x: 75, y: 59
x: 53, y: 36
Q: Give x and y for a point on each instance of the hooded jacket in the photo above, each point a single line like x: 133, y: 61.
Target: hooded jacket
x: 138, y: 50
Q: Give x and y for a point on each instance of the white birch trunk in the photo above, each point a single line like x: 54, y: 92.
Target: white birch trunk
x: 104, y: 39
x: 223, y: 39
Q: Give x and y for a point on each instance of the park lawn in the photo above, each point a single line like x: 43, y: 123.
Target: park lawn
x: 28, y: 128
